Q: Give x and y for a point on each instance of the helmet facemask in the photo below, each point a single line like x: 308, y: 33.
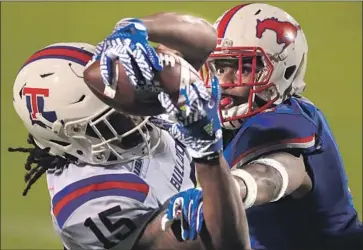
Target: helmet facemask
x: 111, y: 137
x: 244, y: 73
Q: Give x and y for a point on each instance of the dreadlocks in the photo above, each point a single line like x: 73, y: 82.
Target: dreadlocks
x: 42, y: 158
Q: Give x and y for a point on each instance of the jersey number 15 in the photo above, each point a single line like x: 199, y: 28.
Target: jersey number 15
x: 111, y: 227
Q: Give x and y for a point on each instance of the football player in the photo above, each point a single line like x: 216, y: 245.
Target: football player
x: 109, y: 173
x: 277, y: 143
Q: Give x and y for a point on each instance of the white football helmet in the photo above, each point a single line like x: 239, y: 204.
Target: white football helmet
x: 62, y: 114
x: 273, y: 44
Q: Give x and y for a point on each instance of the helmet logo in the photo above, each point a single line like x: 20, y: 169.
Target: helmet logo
x: 34, y: 98
x: 286, y: 32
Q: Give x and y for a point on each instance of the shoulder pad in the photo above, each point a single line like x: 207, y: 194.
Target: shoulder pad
x: 283, y: 127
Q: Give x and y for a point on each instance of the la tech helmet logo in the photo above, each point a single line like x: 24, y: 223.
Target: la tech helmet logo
x: 286, y: 32
x: 35, y: 101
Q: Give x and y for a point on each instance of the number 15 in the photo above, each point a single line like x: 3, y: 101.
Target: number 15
x: 111, y: 227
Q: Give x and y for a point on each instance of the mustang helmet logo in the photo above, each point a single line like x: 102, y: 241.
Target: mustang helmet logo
x: 286, y: 32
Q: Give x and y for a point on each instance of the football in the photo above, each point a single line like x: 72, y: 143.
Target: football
x: 142, y: 101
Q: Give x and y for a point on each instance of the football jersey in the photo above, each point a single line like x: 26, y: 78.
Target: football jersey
x: 324, y: 219
x: 98, y: 207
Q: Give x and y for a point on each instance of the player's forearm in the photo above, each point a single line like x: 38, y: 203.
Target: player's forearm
x: 273, y: 176
x: 194, y: 37
x: 220, y: 198
x: 268, y: 183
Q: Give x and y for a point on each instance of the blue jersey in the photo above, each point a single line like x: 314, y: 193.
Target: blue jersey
x: 325, y: 218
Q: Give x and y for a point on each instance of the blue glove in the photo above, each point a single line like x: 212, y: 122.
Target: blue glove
x: 123, y: 25
x: 128, y: 44
x: 197, y: 123
x: 186, y: 206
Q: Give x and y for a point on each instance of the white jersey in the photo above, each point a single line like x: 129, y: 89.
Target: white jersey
x: 94, y: 207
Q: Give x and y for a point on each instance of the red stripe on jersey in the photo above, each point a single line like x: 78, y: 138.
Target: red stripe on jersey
x: 282, y: 142
x: 143, y: 188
